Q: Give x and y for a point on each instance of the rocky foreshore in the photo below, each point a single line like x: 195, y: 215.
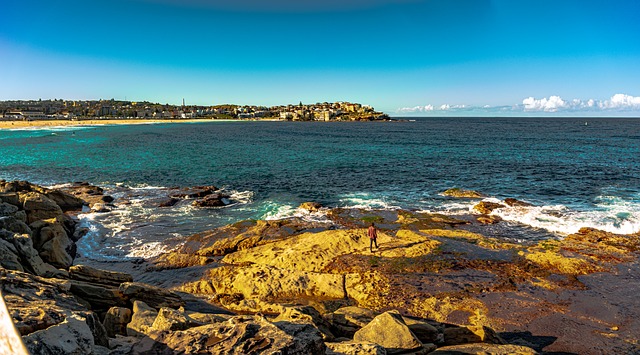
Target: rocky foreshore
x: 436, y: 285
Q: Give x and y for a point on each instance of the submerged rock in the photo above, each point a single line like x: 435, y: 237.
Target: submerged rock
x: 486, y: 207
x: 460, y: 193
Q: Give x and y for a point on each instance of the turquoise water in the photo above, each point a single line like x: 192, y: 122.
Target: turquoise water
x: 586, y: 174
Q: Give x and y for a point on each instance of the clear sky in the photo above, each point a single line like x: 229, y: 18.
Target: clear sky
x: 405, y: 57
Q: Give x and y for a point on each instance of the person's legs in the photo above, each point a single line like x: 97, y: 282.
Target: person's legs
x: 371, y: 240
x: 375, y: 241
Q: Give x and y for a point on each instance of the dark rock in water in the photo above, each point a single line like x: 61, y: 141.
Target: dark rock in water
x: 485, y: 207
x: 486, y: 219
x: 170, y: 202
x: 214, y: 200
x: 512, y: 202
x: 460, y: 193
x: 195, y: 192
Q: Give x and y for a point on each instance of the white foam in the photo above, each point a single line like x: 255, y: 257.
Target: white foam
x: 367, y: 201
x: 142, y: 249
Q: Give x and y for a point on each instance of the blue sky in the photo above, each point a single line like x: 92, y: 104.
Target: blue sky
x: 405, y: 57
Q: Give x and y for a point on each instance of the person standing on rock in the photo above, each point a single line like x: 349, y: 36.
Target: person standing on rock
x: 373, y: 237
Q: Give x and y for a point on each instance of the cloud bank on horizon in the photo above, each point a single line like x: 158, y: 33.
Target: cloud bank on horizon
x: 618, y: 103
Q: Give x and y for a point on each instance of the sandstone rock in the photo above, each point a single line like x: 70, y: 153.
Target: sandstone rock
x: 9, y: 256
x: 141, y: 320
x: 11, y: 223
x: 310, y: 206
x: 169, y: 202
x: 390, y: 331
x: 39, y: 206
x: 44, y: 231
x: 266, y: 283
x: 72, y: 336
x: 116, y: 320
x: 59, y: 251
x: 486, y: 207
x: 310, y: 315
x: 100, y: 207
x: 65, y: 201
x: 346, y: 321
x: 152, y: 296
x: 512, y: 202
x: 104, y: 277
x: 489, y: 219
x: 470, y: 334
x: 207, y: 318
x: 29, y: 257
x: 101, y: 298
x: 483, y: 349
x: 98, y: 331
x: 460, y: 193
x: 355, y: 348
x: 169, y: 319
x: 239, y: 335
x: 195, y: 192
x: 424, y: 331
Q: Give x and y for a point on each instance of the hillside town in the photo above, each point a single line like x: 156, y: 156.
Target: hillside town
x: 58, y: 109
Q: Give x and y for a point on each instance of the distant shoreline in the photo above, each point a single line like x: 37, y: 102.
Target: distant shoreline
x: 44, y: 124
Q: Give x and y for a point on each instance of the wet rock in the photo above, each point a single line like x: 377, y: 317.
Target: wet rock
x: 512, y: 202
x: 116, y: 320
x: 310, y: 206
x: 104, y: 277
x: 486, y: 207
x: 169, y: 319
x: 170, y: 202
x: 194, y: 192
x: 213, y: 200
x: 152, y: 296
x: 460, y: 193
x: 390, y: 331
x: 483, y: 349
x: 141, y: 320
x: 489, y: 219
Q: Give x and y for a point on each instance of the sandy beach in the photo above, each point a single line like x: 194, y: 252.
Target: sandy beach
x: 58, y: 123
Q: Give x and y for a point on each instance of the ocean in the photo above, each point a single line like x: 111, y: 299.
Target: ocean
x: 577, y: 172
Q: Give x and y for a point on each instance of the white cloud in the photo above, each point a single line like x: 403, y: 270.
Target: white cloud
x: 553, y: 104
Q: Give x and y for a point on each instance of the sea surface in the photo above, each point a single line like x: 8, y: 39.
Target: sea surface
x: 577, y: 172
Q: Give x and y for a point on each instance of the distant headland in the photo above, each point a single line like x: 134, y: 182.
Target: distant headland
x: 58, y: 109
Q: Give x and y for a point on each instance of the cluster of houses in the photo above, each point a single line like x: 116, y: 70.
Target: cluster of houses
x: 112, y: 109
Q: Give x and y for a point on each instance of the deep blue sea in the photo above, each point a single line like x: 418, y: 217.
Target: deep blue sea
x: 576, y: 171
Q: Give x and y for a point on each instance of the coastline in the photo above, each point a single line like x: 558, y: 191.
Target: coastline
x: 45, y: 124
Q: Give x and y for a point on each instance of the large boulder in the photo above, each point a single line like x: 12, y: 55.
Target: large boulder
x: 424, y: 331
x: 346, y: 321
x: 152, y: 296
x: 101, y: 298
x: 57, y: 248
x: 213, y: 200
x: 307, y: 314
x: 39, y: 206
x: 116, y: 320
x: 141, y: 320
x: 390, y: 331
x: 239, y: 335
x: 29, y: 257
x: 104, y: 277
x: 65, y: 201
x: 486, y: 207
x: 72, y: 336
x: 13, y: 224
x: 7, y: 209
x: 9, y: 256
x: 171, y: 319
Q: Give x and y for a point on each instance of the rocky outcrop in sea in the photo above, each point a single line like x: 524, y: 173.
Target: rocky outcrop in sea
x: 435, y: 285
